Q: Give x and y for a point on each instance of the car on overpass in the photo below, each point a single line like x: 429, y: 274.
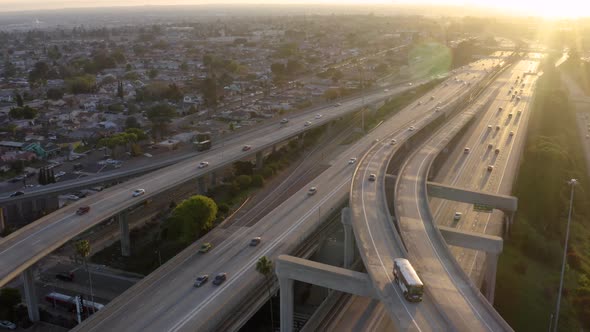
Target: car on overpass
x: 201, y: 280
x: 312, y: 191
x: 17, y: 193
x: 219, y: 279
x: 83, y: 210
x: 351, y: 161
x: 372, y: 177
x: 285, y: 120
x: 246, y: 148
x: 255, y: 241
x: 138, y: 192
x: 205, y: 247
x: 307, y: 124
x: 203, y: 164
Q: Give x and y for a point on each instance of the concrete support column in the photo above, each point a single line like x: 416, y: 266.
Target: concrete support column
x: 259, y: 160
x: 28, y: 279
x: 124, y: 230
x: 300, y: 139
x: 2, y: 218
x: 19, y: 210
x: 286, y: 286
x: 202, y: 185
x: 491, y: 267
x: 348, y: 237
x: 213, y: 179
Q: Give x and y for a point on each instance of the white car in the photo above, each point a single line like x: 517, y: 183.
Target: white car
x: 307, y: 124
x: 285, y: 120
x: 203, y: 164
x: 149, y: 155
x: 412, y: 128
x: 72, y: 197
x: 457, y: 216
x: 318, y: 116
x: 138, y: 192
x: 312, y: 191
x: 466, y: 150
x: 352, y: 160
x: 437, y: 109
x: 7, y: 325
x: 393, y: 141
x: 60, y: 174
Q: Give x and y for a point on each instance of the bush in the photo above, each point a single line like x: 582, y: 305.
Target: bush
x: 257, y: 181
x: 266, y: 172
x: 223, y: 208
x: 244, y: 181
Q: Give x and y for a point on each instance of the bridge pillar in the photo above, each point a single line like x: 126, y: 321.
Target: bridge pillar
x: 2, y: 218
x: 124, y: 230
x: 490, y: 279
x: 274, y: 148
x: 259, y: 160
x: 28, y: 280
x: 213, y: 179
x: 202, y: 185
x: 19, y: 210
x: 286, y: 287
x: 300, y: 139
x: 348, y: 237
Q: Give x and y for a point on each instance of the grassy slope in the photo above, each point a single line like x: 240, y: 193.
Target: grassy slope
x: 529, y: 267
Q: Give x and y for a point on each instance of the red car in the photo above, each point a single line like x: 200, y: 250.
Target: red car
x: 83, y: 210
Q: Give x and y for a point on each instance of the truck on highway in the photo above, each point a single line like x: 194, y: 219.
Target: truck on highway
x: 202, y: 141
x: 407, y: 279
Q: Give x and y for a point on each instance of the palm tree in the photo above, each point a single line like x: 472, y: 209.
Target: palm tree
x: 264, y: 266
x: 83, y: 249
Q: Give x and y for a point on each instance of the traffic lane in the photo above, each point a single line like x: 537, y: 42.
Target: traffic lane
x: 423, y: 250
x: 244, y: 245
x: 378, y: 250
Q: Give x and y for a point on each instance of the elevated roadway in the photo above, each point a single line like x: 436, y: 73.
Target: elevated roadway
x: 166, y: 300
x: 24, y: 247
x: 363, y: 314
x: 446, y: 284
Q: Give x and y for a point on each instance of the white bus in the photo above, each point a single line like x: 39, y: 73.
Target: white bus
x: 407, y: 279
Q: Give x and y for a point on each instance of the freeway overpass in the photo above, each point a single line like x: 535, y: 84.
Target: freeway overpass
x: 380, y: 242
x: 166, y: 300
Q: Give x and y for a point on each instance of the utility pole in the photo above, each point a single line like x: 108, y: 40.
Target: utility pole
x: 573, y: 183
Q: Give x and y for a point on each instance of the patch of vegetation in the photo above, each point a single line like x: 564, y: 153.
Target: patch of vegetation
x: 529, y: 268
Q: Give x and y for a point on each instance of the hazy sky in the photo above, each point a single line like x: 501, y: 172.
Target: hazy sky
x: 567, y: 8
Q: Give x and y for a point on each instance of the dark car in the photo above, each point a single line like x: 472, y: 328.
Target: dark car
x: 201, y: 280
x: 83, y: 210
x: 17, y: 193
x: 65, y: 276
x: 219, y: 279
x: 255, y: 241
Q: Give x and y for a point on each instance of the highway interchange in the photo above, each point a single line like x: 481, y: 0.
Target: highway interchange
x: 166, y: 300
x: 366, y: 314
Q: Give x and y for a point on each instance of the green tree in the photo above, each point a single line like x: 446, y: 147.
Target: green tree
x: 83, y: 249
x: 184, y: 66
x: 19, y: 100
x: 243, y: 168
x: 257, y: 181
x: 55, y: 94
x: 264, y: 266
x: 160, y: 115
x: 131, y: 122
x: 209, y: 88
x: 244, y: 181
x: 153, y: 73
x: 331, y: 94
x: 193, y: 216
